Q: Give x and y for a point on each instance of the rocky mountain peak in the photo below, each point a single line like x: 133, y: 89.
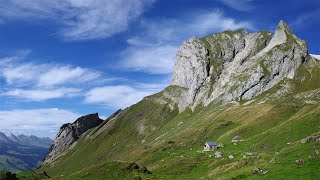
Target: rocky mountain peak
x: 13, y: 138
x: 283, y: 34
x: 70, y: 132
x: 232, y: 66
x: 283, y: 26
x: 4, y: 138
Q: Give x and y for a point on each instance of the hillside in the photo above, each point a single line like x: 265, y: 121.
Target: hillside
x: 261, y: 86
x: 22, y: 153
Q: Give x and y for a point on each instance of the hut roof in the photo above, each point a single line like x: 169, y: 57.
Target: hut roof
x: 212, y: 143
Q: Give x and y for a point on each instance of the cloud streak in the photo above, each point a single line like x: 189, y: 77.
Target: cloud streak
x: 78, y: 19
x: 121, y: 96
x: 154, y: 49
x: 40, y: 94
x: 40, y: 82
x: 242, y: 5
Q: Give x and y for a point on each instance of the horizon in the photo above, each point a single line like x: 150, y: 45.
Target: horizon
x: 57, y: 64
x: 42, y: 137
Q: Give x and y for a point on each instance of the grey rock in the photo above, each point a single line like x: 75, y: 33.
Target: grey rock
x: 107, y: 122
x: 299, y: 162
x: 310, y: 157
x: 249, y: 153
x: 234, y: 65
x: 237, y: 139
x: 315, y: 137
x: 69, y: 133
x: 217, y: 154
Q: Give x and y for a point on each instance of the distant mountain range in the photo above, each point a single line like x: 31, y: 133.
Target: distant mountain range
x: 21, y: 152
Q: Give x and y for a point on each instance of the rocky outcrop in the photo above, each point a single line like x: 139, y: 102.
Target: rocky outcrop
x: 107, y: 123
x: 235, y: 65
x: 69, y: 133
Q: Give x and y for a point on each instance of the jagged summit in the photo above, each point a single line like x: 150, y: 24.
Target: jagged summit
x: 283, y: 26
x: 70, y: 132
x: 232, y: 66
x: 261, y: 86
x: 283, y: 34
x: 4, y: 138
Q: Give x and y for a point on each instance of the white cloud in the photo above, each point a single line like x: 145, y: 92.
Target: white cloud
x: 41, y: 94
x: 80, y: 19
x: 66, y: 74
x: 154, y: 49
x: 152, y: 59
x: 39, y: 82
x: 19, y: 73
x: 120, y: 96
x: 35, y: 121
x: 198, y: 24
x: 240, y: 5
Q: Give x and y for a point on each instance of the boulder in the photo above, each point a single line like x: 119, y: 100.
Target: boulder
x: 299, y: 162
x: 237, y: 139
x: 217, y: 154
x: 144, y: 170
x: 315, y: 137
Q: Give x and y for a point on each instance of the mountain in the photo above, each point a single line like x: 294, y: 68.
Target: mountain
x: 4, y: 138
x: 22, y: 153
x: 262, y: 87
x: 31, y: 140
x: 69, y: 133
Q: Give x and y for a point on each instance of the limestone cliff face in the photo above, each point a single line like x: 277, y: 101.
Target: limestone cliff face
x: 235, y: 65
x: 69, y: 133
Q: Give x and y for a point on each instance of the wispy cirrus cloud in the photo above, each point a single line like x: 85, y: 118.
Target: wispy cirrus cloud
x: 154, y: 49
x: 242, y: 5
x: 41, y: 94
x: 25, y: 79
x: 121, y: 96
x: 78, y: 19
x: 150, y: 59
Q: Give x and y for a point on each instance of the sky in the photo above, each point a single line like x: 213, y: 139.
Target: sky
x: 63, y: 59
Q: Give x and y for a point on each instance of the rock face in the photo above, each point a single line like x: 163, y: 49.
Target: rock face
x: 235, y: 65
x: 69, y: 133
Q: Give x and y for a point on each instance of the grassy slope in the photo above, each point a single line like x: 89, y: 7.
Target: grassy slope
x: 170, y: 145
x: 266, y: 128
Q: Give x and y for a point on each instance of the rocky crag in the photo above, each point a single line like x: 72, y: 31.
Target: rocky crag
x: 70, y: 132
x: 234, y: 65
x: 262, y: 86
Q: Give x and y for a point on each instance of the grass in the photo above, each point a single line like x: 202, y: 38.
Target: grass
x: 266, y: 128
x: 170, y: 143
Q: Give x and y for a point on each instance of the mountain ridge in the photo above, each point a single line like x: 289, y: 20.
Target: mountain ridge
x: 241, y: 65
x: 21, y: 152
x: 69, y: 133
x: 256, y: 85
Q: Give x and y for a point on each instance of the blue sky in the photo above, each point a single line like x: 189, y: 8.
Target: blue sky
x: 63, y: 59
